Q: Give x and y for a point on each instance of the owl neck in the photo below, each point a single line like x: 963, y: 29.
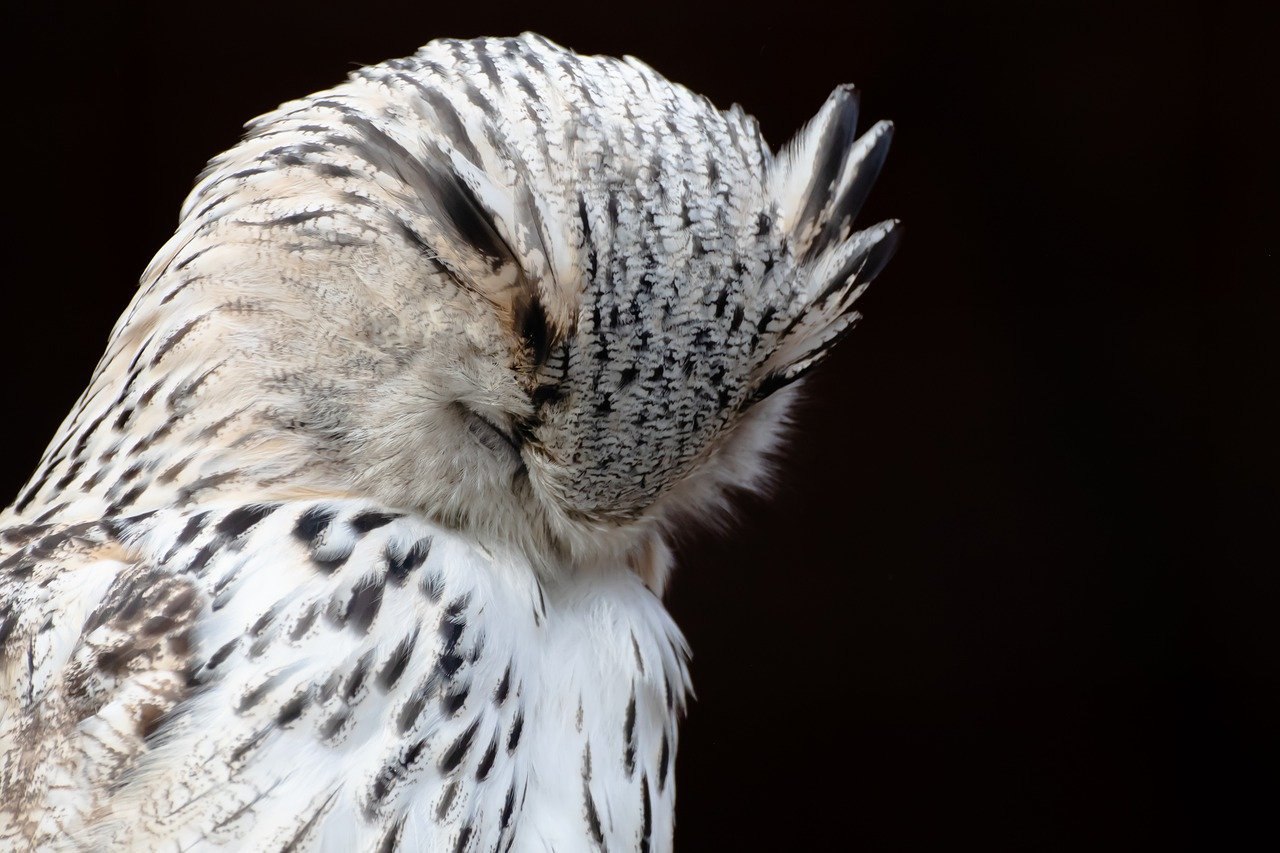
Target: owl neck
x: 112, y: 459
x: 170, y: 418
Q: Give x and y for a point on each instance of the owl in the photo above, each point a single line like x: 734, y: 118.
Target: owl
x: 357, y: 539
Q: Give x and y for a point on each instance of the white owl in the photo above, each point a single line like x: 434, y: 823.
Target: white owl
x: 356, y: 540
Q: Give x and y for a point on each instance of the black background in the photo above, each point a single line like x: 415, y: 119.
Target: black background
x: 1008, y: 589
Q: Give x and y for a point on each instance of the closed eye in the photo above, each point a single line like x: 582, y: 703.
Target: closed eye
x: 490, y: 434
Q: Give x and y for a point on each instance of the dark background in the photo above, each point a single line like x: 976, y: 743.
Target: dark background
x: 1009, y: 590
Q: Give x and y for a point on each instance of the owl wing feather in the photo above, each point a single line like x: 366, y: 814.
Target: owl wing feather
x: 252, y: 677
x: 94, y: 646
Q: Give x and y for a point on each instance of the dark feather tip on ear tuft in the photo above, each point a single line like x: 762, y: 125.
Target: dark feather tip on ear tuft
x: 820, y: 183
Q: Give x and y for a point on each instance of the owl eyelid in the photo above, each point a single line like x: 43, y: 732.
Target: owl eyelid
x: 489, y: 433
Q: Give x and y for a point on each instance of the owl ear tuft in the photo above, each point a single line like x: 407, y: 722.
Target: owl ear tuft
x: 823, y: 176
x: 819, y: 184
x: 823, y: 313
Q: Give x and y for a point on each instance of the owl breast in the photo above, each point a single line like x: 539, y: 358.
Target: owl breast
x: 360, y: 677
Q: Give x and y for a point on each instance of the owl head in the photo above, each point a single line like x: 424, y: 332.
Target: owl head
x: 551, y: 301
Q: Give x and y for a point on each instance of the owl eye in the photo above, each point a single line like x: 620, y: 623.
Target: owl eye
x: 489, y: 433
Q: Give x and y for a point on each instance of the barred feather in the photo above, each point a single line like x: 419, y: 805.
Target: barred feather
x: 357, y: 538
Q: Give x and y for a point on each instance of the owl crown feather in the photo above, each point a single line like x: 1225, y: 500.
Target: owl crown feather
x: 535, y: 295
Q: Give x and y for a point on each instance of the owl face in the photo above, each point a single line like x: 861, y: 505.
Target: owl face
x: 548, y: 300
x: 647, y: 274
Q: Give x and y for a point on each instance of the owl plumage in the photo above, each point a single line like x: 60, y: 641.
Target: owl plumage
x: 356, y: 540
